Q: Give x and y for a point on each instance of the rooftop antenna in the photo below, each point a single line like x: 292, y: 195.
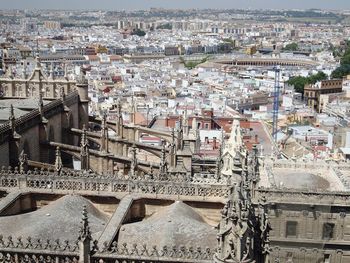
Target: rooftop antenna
x: 276, y: 102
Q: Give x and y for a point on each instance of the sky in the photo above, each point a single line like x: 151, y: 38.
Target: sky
x: 185, y: 4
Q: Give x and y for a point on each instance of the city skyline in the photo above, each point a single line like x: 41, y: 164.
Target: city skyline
x: 181, y: 4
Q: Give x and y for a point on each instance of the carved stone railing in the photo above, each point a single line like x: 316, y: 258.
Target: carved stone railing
x: 78, y: 181
x: 344, y: 179
x: 38, y: 251
x: 37, y: 244
x: 154, y: 254
x: 284, y: 195
x: 300, y: 165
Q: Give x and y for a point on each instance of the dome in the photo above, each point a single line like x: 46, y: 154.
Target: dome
x: 175, y: 225
x: 60, y: 219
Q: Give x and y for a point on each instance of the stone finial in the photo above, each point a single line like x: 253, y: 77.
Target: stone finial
x: 236, y: 138
x: 185, y: 122
x: 65, y: 70
x: 82, y: 77
x: 85, y: 233
x: 104, y: 133
x: 151, y: 170
x: 84, y: 141
x: 40, y: 102
x: 58, y: 161
x: 104, y: 119
x: 62, y: 93
x: 12, y: 113
x: 24, y: 69
x: 219, y: 164
x: 133, y: 164
x: 84, y: 151
x: 119, y: 107
x: 261, y: 151
x: 173, y: 136
x: 37, y: 60
x: 172, y: 148
x: 119, y: 122
x: 133, y: 110
x: 163, y: 164
x: 51, y: 75
x: 23, y: 162
x: 12, y: 120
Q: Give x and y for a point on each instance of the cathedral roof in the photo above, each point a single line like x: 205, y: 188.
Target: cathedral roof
x: 23, y: 104
x: 60, y: 219
x: 5, y: 114
x: 174, y: 225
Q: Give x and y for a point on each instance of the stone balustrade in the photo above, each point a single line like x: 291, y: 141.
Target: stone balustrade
x: 83, y: 181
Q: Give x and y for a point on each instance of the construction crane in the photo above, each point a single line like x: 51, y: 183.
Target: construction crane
x: 276, y: 102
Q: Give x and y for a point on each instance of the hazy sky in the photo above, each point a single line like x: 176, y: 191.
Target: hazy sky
x: 145, y: 4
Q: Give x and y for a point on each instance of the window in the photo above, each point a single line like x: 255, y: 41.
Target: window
x: 328, y: 231
x: 291, y: 229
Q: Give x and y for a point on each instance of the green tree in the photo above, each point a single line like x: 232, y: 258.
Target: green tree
x: 195, y: 63
x: 299, y: 82
x: 165, y: 26
x: 344, y: 68
x: 341, y: 71
x: 291, y: 47
x: 138, y: 32
x: 345, y: 60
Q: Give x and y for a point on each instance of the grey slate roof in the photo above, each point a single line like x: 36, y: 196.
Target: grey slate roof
x: 60, y: 219
x: 175, y: 225
x: 5, y: 113
x: 24, y: 104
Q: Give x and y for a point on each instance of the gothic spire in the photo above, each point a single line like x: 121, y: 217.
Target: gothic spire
x: 119, y: 122
x: 85, y: 228
x: 25, y: 69
x: 185, y: 122
x: 172, y: 148
x: 104, y: 133
x: 40, y: 102
x: 12, y: 119
x: 133, y: 164
x: 133, y: 110
x: 163, y: 164
x: 65, y: 70
x: 62, y: 93
x: 51, y: 75
x: 23, y: 162
x: 84, y: 151
x: 37, y: 61
x: 219, y: 164
x: 58, y: 161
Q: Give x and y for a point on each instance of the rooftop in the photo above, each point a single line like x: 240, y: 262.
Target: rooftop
x: 173, y: 225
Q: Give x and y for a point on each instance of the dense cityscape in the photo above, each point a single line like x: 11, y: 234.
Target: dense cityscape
x: 175, y: 135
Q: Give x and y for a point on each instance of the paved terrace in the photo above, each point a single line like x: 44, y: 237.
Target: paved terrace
x: 317, y: 175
